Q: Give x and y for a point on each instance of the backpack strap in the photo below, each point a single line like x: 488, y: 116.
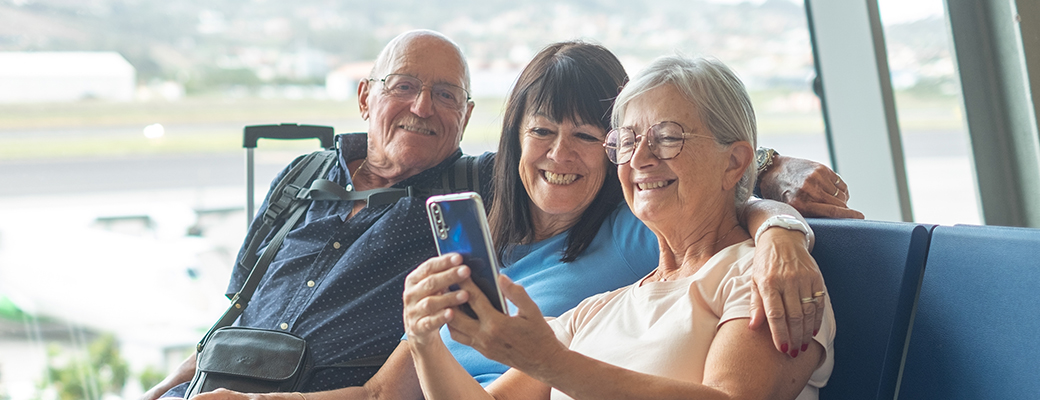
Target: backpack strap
x: 240, y: 300
x: 289, y: 189
x: 287, y: 198
x: 324, y: 189
x: 463, y: 176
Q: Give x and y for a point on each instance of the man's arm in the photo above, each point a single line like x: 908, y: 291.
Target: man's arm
x: 183, y: 373
x: 810, y: 187
x: 783, y: 273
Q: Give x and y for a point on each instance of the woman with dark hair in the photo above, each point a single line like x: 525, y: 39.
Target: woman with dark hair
x: 567, y: 81
x: 684, y: 145
x: 558, y: 215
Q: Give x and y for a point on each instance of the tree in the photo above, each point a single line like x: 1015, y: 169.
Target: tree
x: 71, y: 377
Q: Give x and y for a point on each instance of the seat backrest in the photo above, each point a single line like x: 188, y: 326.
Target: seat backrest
x: 872, y: 270
x: 975, y: 332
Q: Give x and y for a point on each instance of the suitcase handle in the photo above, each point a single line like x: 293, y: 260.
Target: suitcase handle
x: 281, y: 131
x: 288, y: 131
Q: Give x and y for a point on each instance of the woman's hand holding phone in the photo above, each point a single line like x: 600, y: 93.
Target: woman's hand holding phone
x: 428, y: 301
x: 523, y: 341
x: 459, y: 226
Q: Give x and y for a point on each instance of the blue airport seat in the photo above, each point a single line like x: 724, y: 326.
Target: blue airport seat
x: 872, y: 270
x: 976, y: 329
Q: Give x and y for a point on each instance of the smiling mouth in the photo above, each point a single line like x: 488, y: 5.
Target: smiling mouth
x: 418, y: 129
x: 653, y: 185
x: 559, y: 179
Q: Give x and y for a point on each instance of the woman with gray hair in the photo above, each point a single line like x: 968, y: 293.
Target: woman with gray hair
x: 684, y: 145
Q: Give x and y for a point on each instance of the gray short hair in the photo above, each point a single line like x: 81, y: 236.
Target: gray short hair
x: 397, y: 44
x: 720, y: 97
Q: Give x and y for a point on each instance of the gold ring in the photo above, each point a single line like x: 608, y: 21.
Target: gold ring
x: 818, y: 294
x: 836, y: 191
x: 806, y: 300
x: 837, y: 181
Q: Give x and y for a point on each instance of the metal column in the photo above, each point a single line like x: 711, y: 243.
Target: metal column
x: 997, y: 47
x: 858, y: 105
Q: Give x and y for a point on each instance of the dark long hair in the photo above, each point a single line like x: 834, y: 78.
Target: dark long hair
x: 567, y: 80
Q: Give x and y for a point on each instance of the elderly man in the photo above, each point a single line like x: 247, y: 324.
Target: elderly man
x: 338, y: 278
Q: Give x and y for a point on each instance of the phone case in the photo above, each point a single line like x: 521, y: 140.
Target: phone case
x: 460, y: 226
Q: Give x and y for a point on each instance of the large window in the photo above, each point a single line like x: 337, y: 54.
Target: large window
x: 122, y: 206
x: 930, y: 111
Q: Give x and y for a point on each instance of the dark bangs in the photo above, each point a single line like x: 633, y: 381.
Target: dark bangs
x: 566, y: 81
x: 563, y: 93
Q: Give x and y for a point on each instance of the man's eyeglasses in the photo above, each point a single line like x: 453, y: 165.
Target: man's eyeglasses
x: 666, y: 140
x: 407, y: 88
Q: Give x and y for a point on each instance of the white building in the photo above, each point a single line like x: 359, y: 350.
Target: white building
x: 341, y: 84
x: 65, y: 76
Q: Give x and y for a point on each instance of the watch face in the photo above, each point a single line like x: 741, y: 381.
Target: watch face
x: 763, y: 158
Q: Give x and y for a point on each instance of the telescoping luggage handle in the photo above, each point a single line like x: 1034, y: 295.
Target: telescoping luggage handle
x: 281, y: 131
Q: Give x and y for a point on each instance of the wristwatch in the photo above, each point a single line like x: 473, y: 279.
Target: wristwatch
x: 788, y: 222
x: 764, y: 158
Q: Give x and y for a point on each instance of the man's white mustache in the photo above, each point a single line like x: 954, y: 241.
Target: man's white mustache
x: 416, y: 125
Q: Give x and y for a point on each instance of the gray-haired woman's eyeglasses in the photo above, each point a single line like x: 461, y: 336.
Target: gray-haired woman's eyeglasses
x: 666, y: 140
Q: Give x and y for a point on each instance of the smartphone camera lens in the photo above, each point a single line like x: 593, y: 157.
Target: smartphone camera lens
x: 438, y: 220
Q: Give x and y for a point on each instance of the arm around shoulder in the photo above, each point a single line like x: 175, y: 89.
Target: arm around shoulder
x: 810, y: 187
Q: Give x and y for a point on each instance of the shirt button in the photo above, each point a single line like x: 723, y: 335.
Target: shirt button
x: 284, y: 326
x: 310, y: 283
x: 336, y: 245
x: 349, y: 187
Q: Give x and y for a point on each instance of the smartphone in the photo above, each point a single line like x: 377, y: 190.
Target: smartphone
x: 460, y: 226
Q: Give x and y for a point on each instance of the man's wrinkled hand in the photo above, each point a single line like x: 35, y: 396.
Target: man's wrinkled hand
x: 810, y: 187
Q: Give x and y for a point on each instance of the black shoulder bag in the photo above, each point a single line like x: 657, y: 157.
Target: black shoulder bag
x: 251, y: 360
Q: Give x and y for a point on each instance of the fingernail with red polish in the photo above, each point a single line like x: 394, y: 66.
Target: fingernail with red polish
x: 783, y: 348
x: 794, y: 353
x: 815, y: 332
x: 805, y: 346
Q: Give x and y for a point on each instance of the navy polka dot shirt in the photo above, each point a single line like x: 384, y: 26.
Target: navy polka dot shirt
x: 337, y: 283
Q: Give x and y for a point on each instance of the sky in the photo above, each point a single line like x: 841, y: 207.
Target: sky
x: 892, y: 11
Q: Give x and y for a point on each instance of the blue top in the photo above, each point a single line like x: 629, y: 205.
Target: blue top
x: 623, y: 251
x: 337, y: 282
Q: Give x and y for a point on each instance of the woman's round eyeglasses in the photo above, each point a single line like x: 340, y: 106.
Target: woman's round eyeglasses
x: 666, y: 140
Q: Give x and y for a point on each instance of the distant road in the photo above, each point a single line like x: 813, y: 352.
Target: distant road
x: 128, y: 173
x: 170, y: 171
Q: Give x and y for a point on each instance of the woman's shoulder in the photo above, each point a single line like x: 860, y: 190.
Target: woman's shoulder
x: 735, y: 259
x: 724, y: 282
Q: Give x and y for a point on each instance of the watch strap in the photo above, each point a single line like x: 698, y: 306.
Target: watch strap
x: 788, y: 222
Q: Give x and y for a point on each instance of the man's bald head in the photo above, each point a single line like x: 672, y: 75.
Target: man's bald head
x: 403, y: 43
